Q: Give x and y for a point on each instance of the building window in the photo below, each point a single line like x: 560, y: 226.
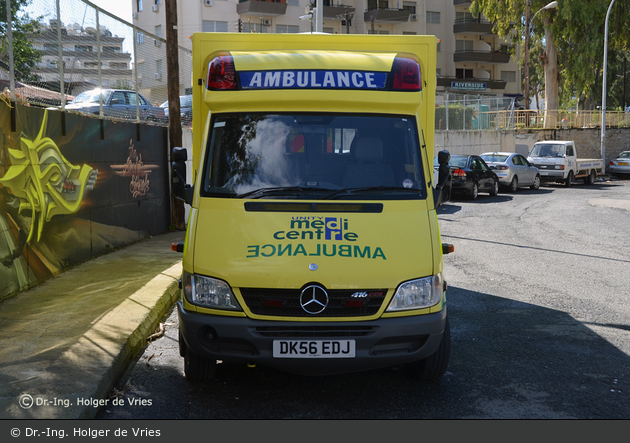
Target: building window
x: 110, y: 49
x: 377, y: 31
x: 215, y: 26
x: 463, y: 45
x: 118, y: 65
x: 254, y: 27
x: 158, y: 30
x: 293, y: 2
x: 464, y: 17
x: 288, y: 29
x: 409, y: 33
x: 139, y: 5
x: 140, y: 38
x: 51, y: 47
x: 158, y: 66
x: 83, y: 48
x: 377, y: 4
x: 464, y: 73
x: 433, y: 17
x: 508, y: 76
x: 409, y: 6
x: 438, y: 71
x: 328, y: 30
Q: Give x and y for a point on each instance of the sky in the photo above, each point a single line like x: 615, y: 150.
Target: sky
x: 120, y: 8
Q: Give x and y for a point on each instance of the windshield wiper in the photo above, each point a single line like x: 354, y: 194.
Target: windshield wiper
x: 368, y: 189
x: 287, y: 190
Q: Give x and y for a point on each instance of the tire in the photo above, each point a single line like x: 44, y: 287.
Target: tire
x: 536, y: 184
x: 197, y: 368
x: 495, y: 188
x: 432, y: 368
x: 513, y: 184
x: 474, y: 193
x: 569, y: 179
x: 590, y: 179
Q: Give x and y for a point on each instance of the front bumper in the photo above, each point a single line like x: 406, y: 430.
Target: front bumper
x: 379, y: 343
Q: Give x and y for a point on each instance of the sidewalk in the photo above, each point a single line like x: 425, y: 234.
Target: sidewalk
x: 64, y: 343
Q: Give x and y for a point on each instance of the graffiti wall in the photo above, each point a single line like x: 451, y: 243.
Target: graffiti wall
x: 74, y: 187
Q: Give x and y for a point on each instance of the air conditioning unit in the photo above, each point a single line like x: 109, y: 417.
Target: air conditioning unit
x: 266, y: 22
x: 155, y: 8
x: 158, y: 76
x: 157, y: 43
x: 134, y: 15
x: 413, y: 17
x: 207, y: 2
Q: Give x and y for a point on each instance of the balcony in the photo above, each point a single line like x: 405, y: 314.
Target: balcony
x: 468, y: 84
x: 473, y: 26
x: 338, y: 11
x: 462, y: 2
x: 386, y: 15
x: 260, y: 8
x: 495, y: 57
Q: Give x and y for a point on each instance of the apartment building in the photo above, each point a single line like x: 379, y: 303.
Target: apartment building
x: 471, y: 59
x: 81, y: 58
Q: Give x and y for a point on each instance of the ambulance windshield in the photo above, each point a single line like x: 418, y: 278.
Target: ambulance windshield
x: 313, y: 156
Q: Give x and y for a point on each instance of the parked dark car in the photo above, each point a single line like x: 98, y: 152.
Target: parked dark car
x: 185, y: 109
x: 471, y: 175
x: 118, y: 103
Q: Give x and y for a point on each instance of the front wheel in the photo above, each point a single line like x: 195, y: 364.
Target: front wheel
x: 536, y: 184
x: 495, y: 188
x: 569, y: 179
x: 433, y: 368
x: 198, y: 368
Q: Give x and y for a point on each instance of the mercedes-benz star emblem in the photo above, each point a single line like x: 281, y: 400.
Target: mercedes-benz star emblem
x: 314, y: 299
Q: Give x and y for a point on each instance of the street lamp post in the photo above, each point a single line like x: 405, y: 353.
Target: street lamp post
x: 528, y: 23
x: 604, y: 84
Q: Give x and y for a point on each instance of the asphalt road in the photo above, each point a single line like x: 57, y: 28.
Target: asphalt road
x: 539, y: 306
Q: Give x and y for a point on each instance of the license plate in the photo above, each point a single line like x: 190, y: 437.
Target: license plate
x: 313, y: 348
x: 544, y: 173
x: 623, y: 163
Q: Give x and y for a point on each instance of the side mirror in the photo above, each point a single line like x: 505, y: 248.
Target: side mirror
x: 181, y: 190
x: 444, y: 174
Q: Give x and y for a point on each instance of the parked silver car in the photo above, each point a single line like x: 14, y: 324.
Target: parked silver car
x: 620, y: 165
x: 513, y: 170
x: 118, y: 103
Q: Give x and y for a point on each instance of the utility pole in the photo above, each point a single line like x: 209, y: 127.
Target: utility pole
x: 174, y: 120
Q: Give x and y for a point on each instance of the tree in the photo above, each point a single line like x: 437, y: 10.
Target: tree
x: 576, y: 29
x: 25, y: 57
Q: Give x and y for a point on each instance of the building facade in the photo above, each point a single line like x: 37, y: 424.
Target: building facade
x: 471, y: 59
x: 81, y: 58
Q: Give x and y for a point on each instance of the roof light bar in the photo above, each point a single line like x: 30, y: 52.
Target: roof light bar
x: 221, y: 73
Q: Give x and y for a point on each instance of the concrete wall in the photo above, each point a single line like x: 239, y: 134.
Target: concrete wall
x: 587, y: 141
x: 70, y: 193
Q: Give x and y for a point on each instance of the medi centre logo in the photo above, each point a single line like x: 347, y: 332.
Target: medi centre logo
x: 316, y: 236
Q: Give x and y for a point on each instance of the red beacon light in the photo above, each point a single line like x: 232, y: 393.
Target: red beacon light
x: 406, y: 75
x: 221, y: 73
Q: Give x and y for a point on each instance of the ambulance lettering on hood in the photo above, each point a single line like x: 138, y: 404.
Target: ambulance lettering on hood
x: 313, y: 80
x: 312, y: 230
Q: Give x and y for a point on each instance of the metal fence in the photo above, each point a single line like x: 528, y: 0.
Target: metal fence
x: 474, y: 113
x: 466, y: 113
x: 80, y: 47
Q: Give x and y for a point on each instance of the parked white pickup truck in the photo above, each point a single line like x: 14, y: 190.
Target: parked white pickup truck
x: 557, y: 161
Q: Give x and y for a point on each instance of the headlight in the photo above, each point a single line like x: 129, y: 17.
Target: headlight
x: 416, y: 294
x: 209, y: 292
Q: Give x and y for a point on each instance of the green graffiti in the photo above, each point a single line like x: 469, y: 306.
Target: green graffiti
x: 44, y: 182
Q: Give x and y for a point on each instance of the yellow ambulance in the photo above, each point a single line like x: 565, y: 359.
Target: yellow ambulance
x: 313, y: 244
